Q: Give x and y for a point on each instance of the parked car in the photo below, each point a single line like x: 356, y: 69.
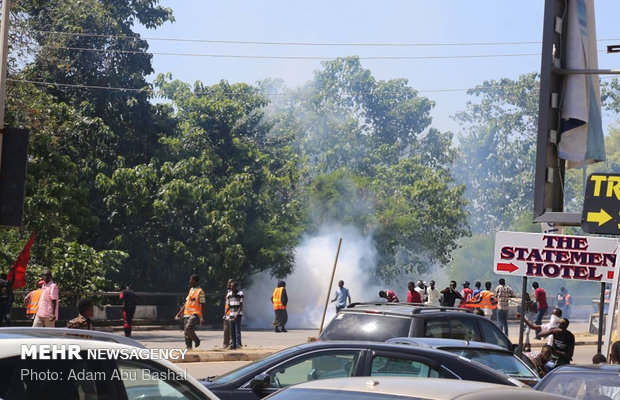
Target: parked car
x: 583, y: 382
x: 398, y: 388
x: 496, y: 357
x: 73, y: 373
x: 383, y: 321
x: 323, y: 359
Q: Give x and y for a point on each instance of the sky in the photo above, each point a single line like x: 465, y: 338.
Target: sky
x: 434, y: 31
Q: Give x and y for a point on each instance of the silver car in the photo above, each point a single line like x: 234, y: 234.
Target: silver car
x: 391, y: 388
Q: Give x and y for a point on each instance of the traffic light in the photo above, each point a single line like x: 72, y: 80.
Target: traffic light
x: 13, y: 175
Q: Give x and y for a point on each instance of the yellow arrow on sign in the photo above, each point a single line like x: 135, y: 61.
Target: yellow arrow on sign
x: 600, y: 217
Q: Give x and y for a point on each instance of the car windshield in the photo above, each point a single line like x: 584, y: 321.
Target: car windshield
x: 316, y: 394
x: 236, y: 373
x: 497, y: 360
x: 373, y: 327
x: 583, y: 386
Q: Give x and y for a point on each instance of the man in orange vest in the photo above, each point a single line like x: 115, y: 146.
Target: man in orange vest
x: 32, y: 300
x: 485, y: 300
x: 280, y: 300
x: 193, y: 312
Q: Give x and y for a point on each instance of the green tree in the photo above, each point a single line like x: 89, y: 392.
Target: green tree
x: 497, y: 149
x: 374, y: 162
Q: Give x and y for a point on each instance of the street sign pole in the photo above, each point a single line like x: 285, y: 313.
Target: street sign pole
x: 522, y: 324
x: 601, y: 307
x: 611, y: 311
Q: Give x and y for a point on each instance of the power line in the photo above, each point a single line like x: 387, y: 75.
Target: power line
x: 249, y: 56
x: 277, y: 43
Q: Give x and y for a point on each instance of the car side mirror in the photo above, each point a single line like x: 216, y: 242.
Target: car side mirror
x: 259, y: 383
x: 515, y: 348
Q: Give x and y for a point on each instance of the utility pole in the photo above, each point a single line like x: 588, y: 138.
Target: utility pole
x: 4, y: 42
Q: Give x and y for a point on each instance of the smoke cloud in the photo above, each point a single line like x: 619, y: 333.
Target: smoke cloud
x: 307, y: 286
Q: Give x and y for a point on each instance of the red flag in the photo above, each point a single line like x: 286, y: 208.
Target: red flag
x: 18, y: 270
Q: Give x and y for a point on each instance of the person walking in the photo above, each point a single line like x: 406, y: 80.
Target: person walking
x: 130, y: 300
x: 234, y: 301
x: 226, y: 321
x: 540, y: 298
x: 450, y: 294
x: 389, y: 295
x: 31, y: 301
x: 341, y: 296
x: 279, y: 299
x: 86, y: 310
x: 503, y: 293
x: 413, y: 295
x: 193, y: 312
x: 433, y: 295
x: 47, y: 312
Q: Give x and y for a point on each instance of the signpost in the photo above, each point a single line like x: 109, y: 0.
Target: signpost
x: 548, y: 255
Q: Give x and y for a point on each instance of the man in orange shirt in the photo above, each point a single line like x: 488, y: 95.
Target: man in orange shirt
x: 193, y: 312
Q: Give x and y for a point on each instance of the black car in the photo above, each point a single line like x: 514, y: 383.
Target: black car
x: 382, y: 321
x: 583, y: 382
x: 488, y: 354
x: 324, y: 359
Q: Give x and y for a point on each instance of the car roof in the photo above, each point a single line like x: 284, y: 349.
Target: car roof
x: 75, y: 334
x: 444, y: 342
x: 588, y: 368
x: 405, y: 308
x: 427, y: 388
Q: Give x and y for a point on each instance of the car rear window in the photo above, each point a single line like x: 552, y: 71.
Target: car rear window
x: 366, y: 326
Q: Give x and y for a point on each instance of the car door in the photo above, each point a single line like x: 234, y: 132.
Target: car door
x: 320, y: 364
x: 390, y: 363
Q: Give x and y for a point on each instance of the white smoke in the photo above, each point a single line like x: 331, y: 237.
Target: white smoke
x: 307, y: 286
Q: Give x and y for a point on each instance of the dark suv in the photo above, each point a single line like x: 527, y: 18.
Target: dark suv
x: 383, y: 321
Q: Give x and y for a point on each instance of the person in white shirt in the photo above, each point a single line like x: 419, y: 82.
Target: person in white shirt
x: 432, y: 295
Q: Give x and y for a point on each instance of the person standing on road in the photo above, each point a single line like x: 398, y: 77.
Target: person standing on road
x: 226, y: 322
x: 540, y: 298
x: 193, y: 312
x: 279, y: 299
x: 234, y: 300
x: 389, y: 295
x: 467, y: 294
x: 433, y: 296
x: 450, y: 294
x: 413, y: 296
x: 563, y: 344
x: 564, y: 301
x: 47, y: 312
x: 421, y: 289
x: 477, y: 289
x: 31, y: 301
x: 503, y: 293
x: 484, y: 300
x: 341, y: 295
x: 129, y: 299
x: 530, y: 314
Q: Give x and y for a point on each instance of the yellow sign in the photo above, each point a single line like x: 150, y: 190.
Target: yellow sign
x: 601, y: 205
